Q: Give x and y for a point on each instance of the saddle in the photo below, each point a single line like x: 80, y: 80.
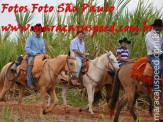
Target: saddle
x: 85, y: 65
x: 143, y: 71
x: 37, y: 63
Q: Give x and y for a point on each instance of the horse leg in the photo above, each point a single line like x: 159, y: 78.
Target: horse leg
x: 42, y: 98
x: 121, y: 104
x: 108, y: 89
x: 90, y: 91
x: 21, y: 93
x: 131, y: 99
x: 54, y: 101
x: 64, y: 91
x: 143, y: 89
x: 6, y: 87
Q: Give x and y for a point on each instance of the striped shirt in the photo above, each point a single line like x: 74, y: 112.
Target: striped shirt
x: 124, y: 54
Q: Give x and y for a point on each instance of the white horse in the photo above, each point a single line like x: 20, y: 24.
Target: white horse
x: 106, y: 62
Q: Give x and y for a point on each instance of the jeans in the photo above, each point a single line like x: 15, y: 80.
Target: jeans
x: 29, y: 75
x: 79, y: 63
x: 122, y: 64
x: 156, y: 64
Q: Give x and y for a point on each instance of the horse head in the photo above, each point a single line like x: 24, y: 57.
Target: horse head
x: 71, y: 66
x: 113, y: 64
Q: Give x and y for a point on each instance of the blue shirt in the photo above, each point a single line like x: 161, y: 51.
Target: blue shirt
x: 33, y: 46
x: 76, y: 45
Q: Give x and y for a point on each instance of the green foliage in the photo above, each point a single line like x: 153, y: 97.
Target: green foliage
x: 58, y: 42
x: 7, y: 115
x: 103, y: 117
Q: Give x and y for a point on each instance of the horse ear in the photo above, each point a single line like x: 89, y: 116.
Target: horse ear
x: 69, y: 53
x: 109, y: 53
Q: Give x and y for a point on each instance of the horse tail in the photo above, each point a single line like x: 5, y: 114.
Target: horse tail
x: 114, y: 94
x: 3, y: 75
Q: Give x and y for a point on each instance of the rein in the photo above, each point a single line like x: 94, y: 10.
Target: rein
x: 111, y: 64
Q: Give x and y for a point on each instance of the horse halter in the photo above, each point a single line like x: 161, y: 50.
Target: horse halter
x: 69, y: 72
x: 112, y: 70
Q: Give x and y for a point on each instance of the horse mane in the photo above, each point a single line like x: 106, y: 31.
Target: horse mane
x: 97, y: 58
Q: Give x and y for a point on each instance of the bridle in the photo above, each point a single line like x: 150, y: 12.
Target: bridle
x: 106, y: 68
x: 111, y: 63
x: 69, y: 72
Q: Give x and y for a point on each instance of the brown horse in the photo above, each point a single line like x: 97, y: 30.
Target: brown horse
x: 47, y: 81
x: 131, y: 88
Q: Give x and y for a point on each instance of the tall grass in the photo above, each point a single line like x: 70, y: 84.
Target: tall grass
x: 7, y: 115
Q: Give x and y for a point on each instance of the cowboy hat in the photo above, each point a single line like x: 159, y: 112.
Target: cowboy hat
x: 158, y: 22
x: 124, y: 40
x: 37, y: 27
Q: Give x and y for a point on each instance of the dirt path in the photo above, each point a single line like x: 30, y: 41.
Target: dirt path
x: 31, y: 113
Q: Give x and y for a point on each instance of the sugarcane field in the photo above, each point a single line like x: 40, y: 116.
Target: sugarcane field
x: 81, y: 61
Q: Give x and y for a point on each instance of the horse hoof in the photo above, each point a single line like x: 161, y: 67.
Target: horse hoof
x: 92, y: 114
x: 115, y: 119
x: 80, y: 110
x: 67, y: 111
x: 87, y: 109
x: 44, y: 112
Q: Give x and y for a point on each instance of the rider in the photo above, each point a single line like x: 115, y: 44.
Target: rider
x: 123, y: 52
x: 154, y: 40
x: 77, y: 46
x: 34, y: 45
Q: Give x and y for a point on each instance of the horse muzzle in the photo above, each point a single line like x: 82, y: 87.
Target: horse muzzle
x: 73, y: 76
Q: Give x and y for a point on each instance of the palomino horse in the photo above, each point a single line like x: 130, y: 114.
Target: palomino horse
x: 95, y: 76
x: 47, y: 81
x: 131, y: 87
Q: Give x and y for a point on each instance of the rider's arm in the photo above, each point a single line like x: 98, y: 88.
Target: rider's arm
x: 121, y: 59
x: 43, y: 49
x: 78, y: 52
x: 28, y: 47
x: 75, y: 49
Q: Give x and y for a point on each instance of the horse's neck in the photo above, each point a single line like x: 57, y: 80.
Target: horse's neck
x: 58, y: 64
x: 100, y: 62
x: 97, y: 67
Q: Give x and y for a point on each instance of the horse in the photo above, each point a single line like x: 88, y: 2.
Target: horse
x: 47, y: 81
x: 132, y: 88
x: 99, y: 74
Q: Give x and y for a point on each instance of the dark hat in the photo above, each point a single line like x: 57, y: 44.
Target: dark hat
x: 124, y: 40
x: 158, y: 22
x: 37, y: 27
x: 80, y: 32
